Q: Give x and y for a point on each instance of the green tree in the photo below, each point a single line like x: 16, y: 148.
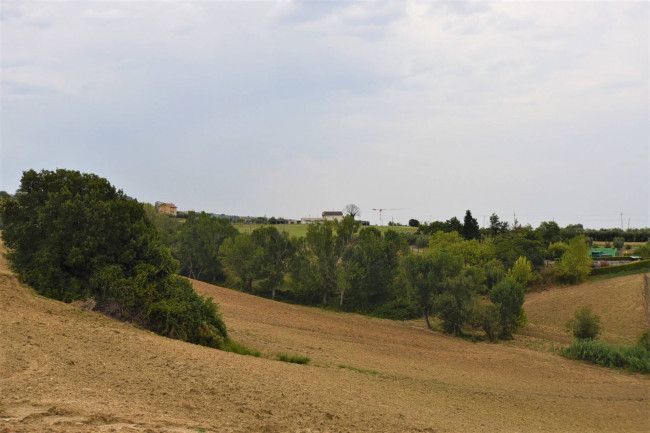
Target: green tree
x: 346, y: 229
x: 428, y: 275
x: 508, y: 296
x: 414, y: 223
x: 315, y: 269
x: 470, y: 227
x: 200, y: 238
x: 572, y: 230
x: 72, y: 236
x: 7, y: 196
x: 473, y: 252
x: 244, y: 258
x: 619, y: 242
x: 167, y: 225
x: 511, y: 246
x: 521, y: 271
x: 369, y: 267
x: 497, y: 227
x: 494, y: 272
x: 556, y: 250
x: 278, y: 249
x: 452, y: 225
x: 451, y: 304
x: 575, y: 264
x: 549, y: 232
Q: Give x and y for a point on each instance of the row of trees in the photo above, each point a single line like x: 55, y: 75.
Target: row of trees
x: 547, y: 232
x: 338, y: 263
x: 460, y: 277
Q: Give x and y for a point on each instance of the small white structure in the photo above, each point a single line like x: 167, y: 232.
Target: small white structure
x: 332, y: 215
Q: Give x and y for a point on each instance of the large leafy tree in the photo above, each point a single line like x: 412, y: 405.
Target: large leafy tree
x: 451, y: 304
x: 315, y: 270
x: 429, y: 276
x: 497, y: 227
x: 508, y: 296
x: 277, y: 251
x: 198, y: 246
x: 72, y: 235
x: 369, y: 267
x: 511, y: 246
x: 549, y: 232
x: 244, y: 258
x: 575, y: 264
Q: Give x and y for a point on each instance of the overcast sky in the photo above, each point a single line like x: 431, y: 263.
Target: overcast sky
x: 537, y: 109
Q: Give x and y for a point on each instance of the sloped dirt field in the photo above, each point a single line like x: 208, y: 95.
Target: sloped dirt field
x: 63, y: 369
x: 617, y: 301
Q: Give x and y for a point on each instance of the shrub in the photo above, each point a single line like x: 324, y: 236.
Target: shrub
x: 398, y: 309
x: 296, y: 359
x: 644, y: 341
x: 585, y: 324
x: 640, y: 265
x: 618, y: 242
x: 633, y: 358
x: 234, y: 347
x: 422, y: 241
x: 643, y: 251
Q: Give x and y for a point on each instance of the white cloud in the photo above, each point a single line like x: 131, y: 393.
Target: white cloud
x: 277, y: 107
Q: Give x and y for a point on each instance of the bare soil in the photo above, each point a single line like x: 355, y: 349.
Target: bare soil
x: 66, y: 369
x: 617, y: 301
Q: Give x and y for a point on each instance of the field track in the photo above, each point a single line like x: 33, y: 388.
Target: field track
x: 63, y: 369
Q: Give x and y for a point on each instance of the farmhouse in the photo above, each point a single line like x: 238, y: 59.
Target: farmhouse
x: 332, y: 215
x: 166, y: 208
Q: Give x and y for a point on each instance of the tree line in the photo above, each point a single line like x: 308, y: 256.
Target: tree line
x: 72, y: 236
x: 462, y: 278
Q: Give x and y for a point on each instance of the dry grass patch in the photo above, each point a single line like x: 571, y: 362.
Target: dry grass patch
x: 617, y: 301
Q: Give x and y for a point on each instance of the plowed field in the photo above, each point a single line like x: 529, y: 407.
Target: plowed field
x: 64, y: 369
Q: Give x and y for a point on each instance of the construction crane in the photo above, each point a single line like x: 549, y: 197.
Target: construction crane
x: 380, y: 210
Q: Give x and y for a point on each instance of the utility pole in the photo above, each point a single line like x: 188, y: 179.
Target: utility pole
x: 622, y: 221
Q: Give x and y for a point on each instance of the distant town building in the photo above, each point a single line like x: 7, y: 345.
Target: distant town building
x: 310, y: 220
x: 332, y: 215
x: 166, y: 208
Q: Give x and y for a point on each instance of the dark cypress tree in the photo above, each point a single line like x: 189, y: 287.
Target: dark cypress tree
x: 470, y: 227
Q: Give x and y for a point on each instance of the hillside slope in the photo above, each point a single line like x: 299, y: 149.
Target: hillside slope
x: 616, y: 300
x: 63, y: 369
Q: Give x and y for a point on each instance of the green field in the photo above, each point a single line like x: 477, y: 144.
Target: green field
x: 299, y: 230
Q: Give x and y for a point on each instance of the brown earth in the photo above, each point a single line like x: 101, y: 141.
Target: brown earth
x: 65, y: 369
x: 617, y: 301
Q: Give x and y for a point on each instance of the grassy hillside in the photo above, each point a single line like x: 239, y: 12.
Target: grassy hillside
x: 616, y: 300
x: 64, y: 369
